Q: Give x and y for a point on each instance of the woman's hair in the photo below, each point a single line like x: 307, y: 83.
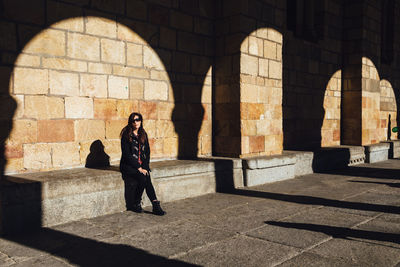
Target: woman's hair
x: 127, y: 131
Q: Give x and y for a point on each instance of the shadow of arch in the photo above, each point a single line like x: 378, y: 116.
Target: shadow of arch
x: 388, y: 110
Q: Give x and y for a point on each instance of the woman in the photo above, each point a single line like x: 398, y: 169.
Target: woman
x: 134, y: 165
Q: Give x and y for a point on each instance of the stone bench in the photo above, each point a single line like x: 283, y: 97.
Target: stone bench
x: 33, y: 200
x: 377, y: 152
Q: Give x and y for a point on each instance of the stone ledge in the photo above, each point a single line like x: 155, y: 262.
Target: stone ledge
x: 394, y: 149
x: 377, y: 152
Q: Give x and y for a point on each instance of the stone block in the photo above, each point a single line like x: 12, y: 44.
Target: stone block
x: 114, y: 127
x: 164, y: 110
x: 206, y: 145
x: 19, y: 10
x: 263, y: 67
x: 50, y: 131
x: 181, y: 21
x: 25, y: 60
x: 24, y: 131
x: 113, y: 149
x: 118, y: 87
x: 248, y: 127
x: 206, y: 94
x: 64, y: 64
x: 155, y: 90
x: 131, y: 72
x: 105, y: 108
x: 159, y: 75
x: 255, y: 46
x: 136, y: 88
x: 63, y: 83
x: 37, y: 156
x: 256, y: 144
x: 73, y: 16
x: 164, y: 129
x: 30, y: 81
x: 8, y: 36
x: 377, y: 152
x: 97, y: 25
x: 156, y: 146
x: 65, y: 155
x: 44, y: 107
x: 151, y: 59
x: 270, y: 50
x: 83, y: 46
x: 148, y: 110
x: 170, y: 146
x: 93, y: 85
x: 303, y: 163
x: 13, y: 165
x: 125, y: 108
x: 127, y: 34
x: 13, y: 150
x: 150, y: 127
x: 275, y: 36
x: 112, y: 51
x: 249, y: 93
x: 137, y: 10
x: 249, y: 64
x: 394, y: 150
x: 78, y: 108
x: 48, y: 42
x: 86, y: 130
x: 100, y: 68
x: 134, y: 55
x: 275, y: 70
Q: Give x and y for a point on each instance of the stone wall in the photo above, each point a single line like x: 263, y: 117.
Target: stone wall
x: 78, y: 75
x: 261, y: 93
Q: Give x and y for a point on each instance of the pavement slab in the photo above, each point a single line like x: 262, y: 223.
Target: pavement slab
x: 314, y: 260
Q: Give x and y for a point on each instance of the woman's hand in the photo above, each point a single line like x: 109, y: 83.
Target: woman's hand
x: 143, y: 171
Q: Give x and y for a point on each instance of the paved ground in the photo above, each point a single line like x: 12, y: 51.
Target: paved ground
x: 343, y: 218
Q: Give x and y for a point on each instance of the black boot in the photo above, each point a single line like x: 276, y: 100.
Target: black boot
x: 157, y: 210
x: 137, y: 208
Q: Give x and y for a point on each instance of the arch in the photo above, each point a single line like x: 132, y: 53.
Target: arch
x: 388, y: 111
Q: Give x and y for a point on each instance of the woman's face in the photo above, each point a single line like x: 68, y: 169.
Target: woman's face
x: 136, y: 122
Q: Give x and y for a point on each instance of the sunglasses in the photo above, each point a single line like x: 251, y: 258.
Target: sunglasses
x: 136, y: 120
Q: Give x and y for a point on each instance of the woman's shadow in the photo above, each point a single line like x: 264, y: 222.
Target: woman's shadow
x: 97, y: 158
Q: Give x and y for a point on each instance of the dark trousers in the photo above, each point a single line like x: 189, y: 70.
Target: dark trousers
x: 134, y: 187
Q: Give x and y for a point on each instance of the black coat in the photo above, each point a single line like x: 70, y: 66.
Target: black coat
x: 129, y: 163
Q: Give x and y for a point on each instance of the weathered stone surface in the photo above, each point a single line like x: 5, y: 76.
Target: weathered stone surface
x: 151, y: 59
x: 105, y: 108
x: 377, y: 152
x: 118, y: 87
x: 125, y: 108
x: 101, y: 26
x: 63, y: 83
x: 93, y: 85
x: 30, y: 81
x: 78, y: 108
x: 112, y: 51
x: 249, y: 64
x: 155, y: 90
x: 55, y: 131
x: 59, y: 152
x: 24, y: 131
x: 8, y: 39
x: 64, y: 64
x: 275, y: 69
x: 114, y: 127
x: 44, y: 107
x: 136, y: 89
x: 84, y: 47
x: 48, y: 42
x: 100, y: 68
x: 27, y: 61
x: 134, y: 55
x: 37, y: 156
x: 89, y: 130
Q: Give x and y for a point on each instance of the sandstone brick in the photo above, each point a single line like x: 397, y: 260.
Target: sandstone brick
x: 165, y: 128
x: 206, y: 145
x: 170, y: 146
x: 65, y: 154
x: 78, y: 107
x: 27, y: 60
x: 14, y: 165
x: 13, y: 149
x: 134, y: 54
x: 263, y: 67
x: 55, y: 131
x: 112, y: 51
x: 245, y: 145
x: 114, y: 127
x: 131, y: 72
x: 127, y: 34
x: 159, y: 75
x: 270, y: 50
x: 126, y: 107
x: 256, y: 143
x: 262, y: 33
x: 6, y: 81
x: 101, y: 26
x: 155, y: 90
x: 64, y: 64
x: 248, y: 127
x: 254, y: 111
x: 263, y: 127
x: 113, y: 149
x: 275, y: 36
x: 244, y: 47
x: 82, y: 46
x: 151, y: 59
x: 206, y: 128
x: 255, y: 46
x: 148, y: 110
x: 156, y: 146
x: 279, y: 52
x: 249, y: 93
x: 100, y: 68
x: 37, y: 156
x: 164, y: 110
x: 136, y: 88
x: 63, y: 83
x: 275, y: 69
x: 118, y: 87
x: 23, y: 131
x: 44, y: 107
x: 30, y: 81
x: 89, y: 130
x: 93, y: 85
x: 8, y: 38
x: 249, y: 64
x: 19, y: 111
x: 206, y: 94
x: 73, y: 16
x: 48, y: 42
x: 150, y: 127
x: 105, y: 108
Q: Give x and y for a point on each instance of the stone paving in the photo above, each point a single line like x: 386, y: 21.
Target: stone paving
x: 348, y: 217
